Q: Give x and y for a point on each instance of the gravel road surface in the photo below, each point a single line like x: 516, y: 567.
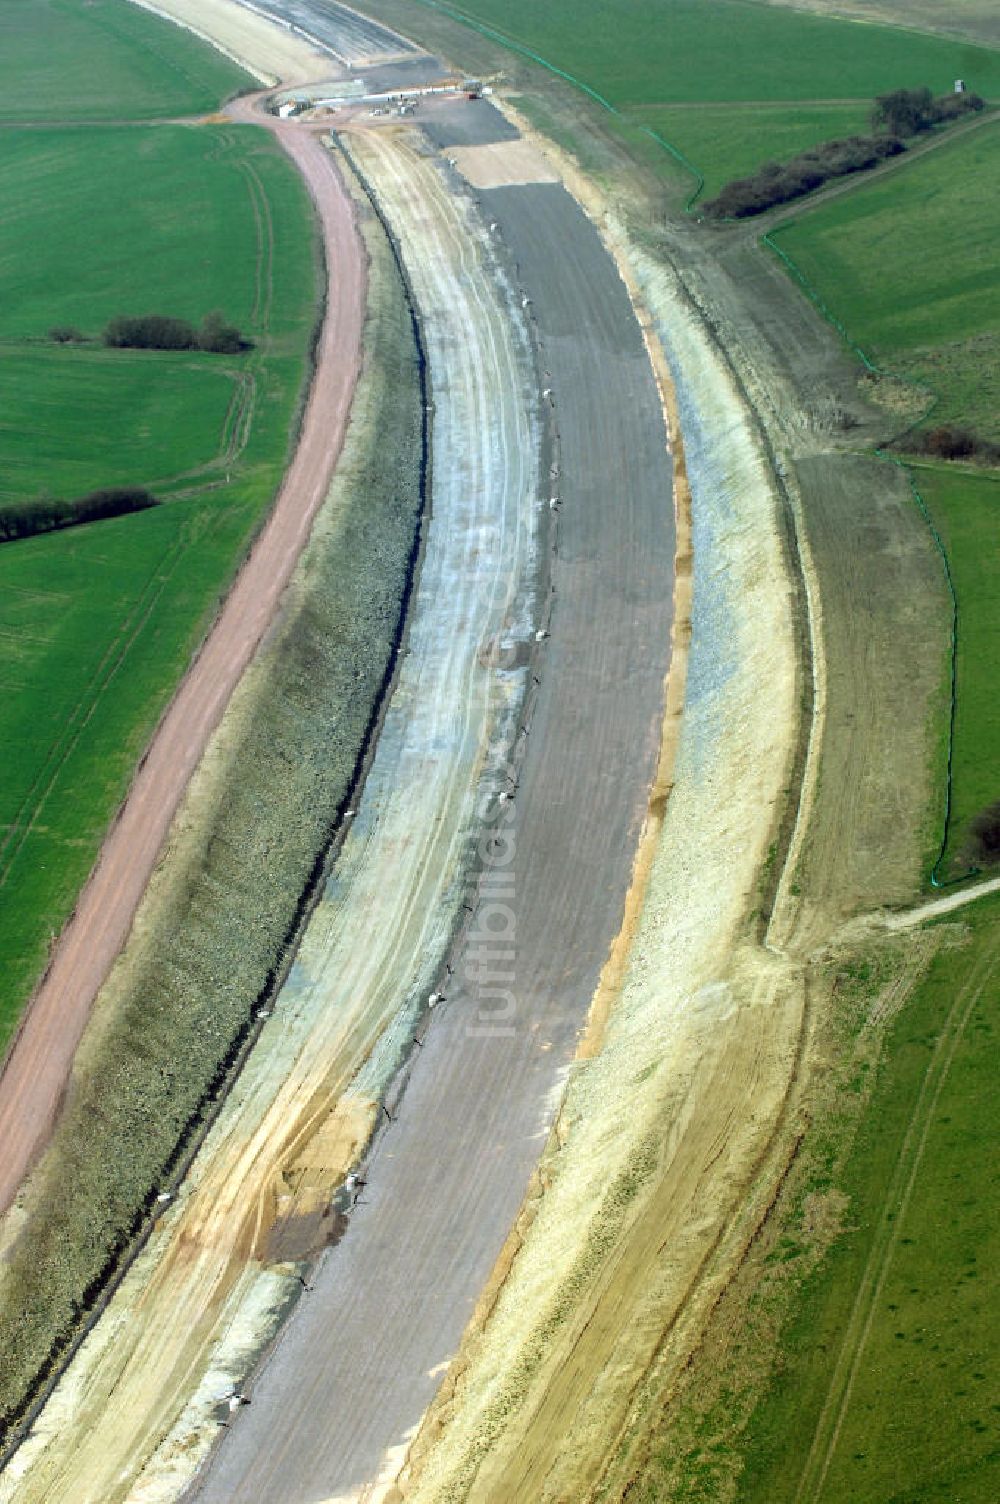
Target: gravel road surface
x: 365, y: 1352
x: 351, y: 37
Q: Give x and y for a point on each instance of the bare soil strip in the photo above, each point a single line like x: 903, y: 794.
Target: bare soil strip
x: 40, y: 1058
x: 503, y: 164
x: 909, y: 918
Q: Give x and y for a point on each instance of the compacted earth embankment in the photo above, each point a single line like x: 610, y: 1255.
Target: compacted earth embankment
x: 228, y: 1255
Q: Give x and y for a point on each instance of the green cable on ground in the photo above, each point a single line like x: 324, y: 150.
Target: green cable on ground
x: 814, y: 297
x: 498, y: 36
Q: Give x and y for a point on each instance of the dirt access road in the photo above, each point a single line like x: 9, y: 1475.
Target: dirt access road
x: 39, y: 1061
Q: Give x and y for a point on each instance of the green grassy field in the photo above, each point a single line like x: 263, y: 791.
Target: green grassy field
x: 98, y: 622
x: 106, y: 221
x: 976, y: 19
x: 726, y: 141
x: 966, y: 511
x: 146, y: 419
x: 645, y: 56
x: 104, y: 60
x: 908, y: 266
x: 882, y: 1391
x: 651, y: 51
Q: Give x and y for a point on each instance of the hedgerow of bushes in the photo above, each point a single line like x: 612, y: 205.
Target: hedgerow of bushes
x: 779, y: 183
x: 26, y: 518
x: 156, y: 331
x: 946, y: 442
x: 906, y: 112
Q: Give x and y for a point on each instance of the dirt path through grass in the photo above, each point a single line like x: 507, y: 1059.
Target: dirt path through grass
x: 39, y: 1061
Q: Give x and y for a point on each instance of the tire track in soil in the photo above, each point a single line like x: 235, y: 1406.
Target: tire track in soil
x: 838, y: 1399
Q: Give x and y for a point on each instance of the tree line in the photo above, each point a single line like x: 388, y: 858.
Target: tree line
x: 157, y: 331
x: 903, y: 113
x: 48, y: 514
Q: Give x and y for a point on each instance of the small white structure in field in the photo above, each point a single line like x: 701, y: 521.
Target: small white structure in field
x: 164, y: 1197
x: 434, y: 999
x: 960, y: 86
x: 541, y: 635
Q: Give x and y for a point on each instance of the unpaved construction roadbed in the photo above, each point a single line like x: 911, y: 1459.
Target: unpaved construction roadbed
x: 365, y: 1352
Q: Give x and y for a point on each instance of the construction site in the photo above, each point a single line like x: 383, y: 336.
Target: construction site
x: 478, y: 1186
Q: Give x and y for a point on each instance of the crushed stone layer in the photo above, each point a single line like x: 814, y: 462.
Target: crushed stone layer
x: 354, y: 39
x: 356, y: 1367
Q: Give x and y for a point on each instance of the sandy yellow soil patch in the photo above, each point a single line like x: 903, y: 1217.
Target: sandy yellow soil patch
x: 503, y: 164
x: 264, y: 49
